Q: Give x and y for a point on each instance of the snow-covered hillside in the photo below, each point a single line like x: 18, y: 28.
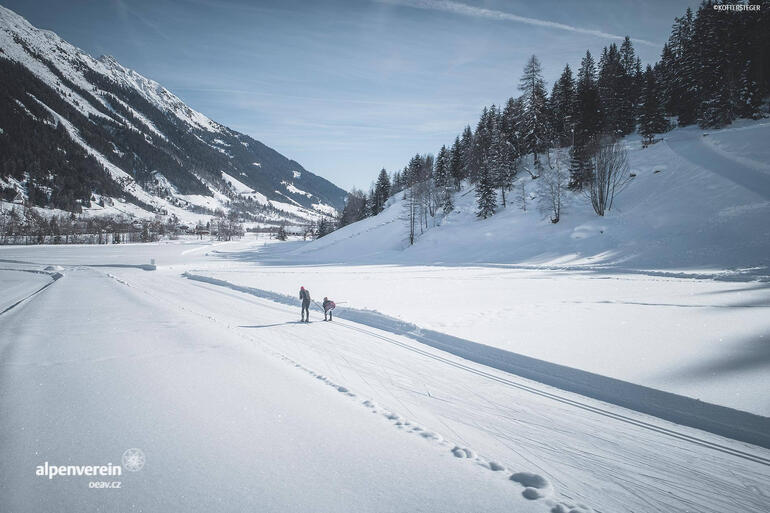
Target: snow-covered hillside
x: 699, y: 202
x: 668, y: 290
x: 137, y: 141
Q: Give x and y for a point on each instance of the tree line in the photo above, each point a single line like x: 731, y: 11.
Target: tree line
x: 714, y: 68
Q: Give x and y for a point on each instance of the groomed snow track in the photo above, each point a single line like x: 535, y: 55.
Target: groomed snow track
x: 719, y: 420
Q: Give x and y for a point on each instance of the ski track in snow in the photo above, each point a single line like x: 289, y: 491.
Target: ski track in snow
x: 695, y: 150
x: 534, y: 486
x: 549, y: 453
x: 18, y: 362
x: 561, y: 502
x: 681, y: 410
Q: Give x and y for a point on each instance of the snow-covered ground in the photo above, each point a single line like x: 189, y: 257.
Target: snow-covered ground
x: 18, y: 285
x: 423, y: 394
x: 237, y: 406
x: 668, y: 290
x: 705, y: 339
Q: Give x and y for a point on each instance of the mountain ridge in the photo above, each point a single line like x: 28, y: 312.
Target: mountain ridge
x: 67, y: 114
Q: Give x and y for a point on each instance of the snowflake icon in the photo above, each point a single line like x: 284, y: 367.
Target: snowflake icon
x: 133, y: 460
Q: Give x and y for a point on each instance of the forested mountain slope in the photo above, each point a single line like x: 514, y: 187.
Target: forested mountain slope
x: 75, y: 130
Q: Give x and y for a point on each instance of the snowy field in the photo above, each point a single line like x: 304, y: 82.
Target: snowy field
x: 615, y: 364
x: 238, y: 406
x: 705, y: 339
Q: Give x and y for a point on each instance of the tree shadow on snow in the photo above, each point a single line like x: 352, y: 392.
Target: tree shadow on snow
x: 752, y: 353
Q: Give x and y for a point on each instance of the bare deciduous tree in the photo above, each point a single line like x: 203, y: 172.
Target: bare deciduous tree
x: 522, y: 197
x: 554, y: 177
x: 610, y: 175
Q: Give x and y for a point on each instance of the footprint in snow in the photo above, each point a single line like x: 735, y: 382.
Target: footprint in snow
x: 430, y: 435
x: 535, y: 485
x: 532, y: 493
x: 345, y: 391
x: 462, y: 452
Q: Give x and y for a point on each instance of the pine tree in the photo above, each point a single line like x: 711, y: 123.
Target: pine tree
x: 443, y: 180
x: 535, y: 116
x: 587, y: 123
x: 456, y: 169
x: 466, y: 153
x: 281, y: 234
x: 481, y: 144
x: 630, y: 87
x: 502, y: 162
x: 610, y: 84
x: 652, y: 119
x: 355, y: 207
x: 381, y: 192
x: 562, y: 103
x: 441, y: 168
x: 682, y: 84
x: 511, y: 124
x: 486, y: 196
x: 324, y: 227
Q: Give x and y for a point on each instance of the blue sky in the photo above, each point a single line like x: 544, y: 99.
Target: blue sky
x: 346, y: 87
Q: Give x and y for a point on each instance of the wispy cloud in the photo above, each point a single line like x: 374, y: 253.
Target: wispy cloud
x: 481, y: 12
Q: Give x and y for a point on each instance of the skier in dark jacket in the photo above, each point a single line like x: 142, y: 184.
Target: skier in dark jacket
x: 304, y: 295
x: 328, y: 305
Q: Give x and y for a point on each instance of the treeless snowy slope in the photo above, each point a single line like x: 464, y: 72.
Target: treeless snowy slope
x: 92, y: 367
x: 695, y: 147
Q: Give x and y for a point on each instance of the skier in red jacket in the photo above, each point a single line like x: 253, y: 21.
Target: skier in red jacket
x: 328, y: 305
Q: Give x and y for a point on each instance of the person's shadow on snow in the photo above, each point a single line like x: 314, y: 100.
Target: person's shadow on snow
x: 273, y: 325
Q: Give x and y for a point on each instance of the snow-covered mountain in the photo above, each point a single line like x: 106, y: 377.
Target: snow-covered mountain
x: 79, y: 133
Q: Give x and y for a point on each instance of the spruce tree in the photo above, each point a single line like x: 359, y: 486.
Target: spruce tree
x: 381, y: 192
x: 486, y: 196
x: 466, y: 153
x: 562, y: 103
x: 482, y: 138
x: 456, y: 168
x: 441, y: 168
x: 588, y: 122
x: 630, y: 87
x: 610, y: 84
x: 652, y: 119
x: 443, y: 179
x: 503, y: 162
x: 511, y: 123
x: 535, y: 116
x: 684, y: 88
